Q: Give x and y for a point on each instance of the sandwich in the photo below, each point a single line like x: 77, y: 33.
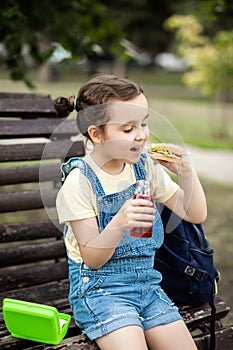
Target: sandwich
x: 167, y: 153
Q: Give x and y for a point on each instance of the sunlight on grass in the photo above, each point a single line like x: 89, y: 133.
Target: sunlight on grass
x: 197, y: 122
x: 196, y: 119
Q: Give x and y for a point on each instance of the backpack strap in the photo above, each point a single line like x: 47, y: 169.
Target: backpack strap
x: 212, y: 324
x: 181, y: 265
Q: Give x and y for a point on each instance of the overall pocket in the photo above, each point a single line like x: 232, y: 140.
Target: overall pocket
x: 88, y: 284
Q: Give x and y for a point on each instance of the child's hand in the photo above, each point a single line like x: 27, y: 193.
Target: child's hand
x: 178, y: 161
x: 136, y: 213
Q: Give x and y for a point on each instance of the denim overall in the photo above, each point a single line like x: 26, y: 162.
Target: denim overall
x: 97, y: 297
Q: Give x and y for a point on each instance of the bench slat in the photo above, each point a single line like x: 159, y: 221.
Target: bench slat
x: 24, y: 231
x: 30, y: 173
x: 79, y: 342
x: 26, y: 105
x: 35, y: 151
x: 194, y: 317
x: 54, y: 293
x: 30, y: 276
x: 223, y: 337
x: 224, y: 340
x: 27, y: 200
x: 38, y: 127
x: 32, y: 253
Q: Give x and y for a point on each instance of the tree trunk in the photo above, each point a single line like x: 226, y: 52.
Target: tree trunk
x: 120, y: 68
x: 224, y: 113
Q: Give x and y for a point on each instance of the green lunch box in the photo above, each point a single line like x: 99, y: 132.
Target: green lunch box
x: 36, y: 322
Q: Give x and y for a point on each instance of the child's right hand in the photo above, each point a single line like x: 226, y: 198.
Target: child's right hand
x: 136, y: 213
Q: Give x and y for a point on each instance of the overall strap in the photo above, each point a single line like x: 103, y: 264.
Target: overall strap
x: 86, y: 170
x: 77, y: 162
x: 139, y: 168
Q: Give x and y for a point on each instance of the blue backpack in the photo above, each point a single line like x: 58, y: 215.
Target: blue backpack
x: 185, y: 261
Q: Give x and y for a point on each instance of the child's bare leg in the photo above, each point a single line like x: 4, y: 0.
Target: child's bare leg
x: 173, y: 336
x: 130, y: 338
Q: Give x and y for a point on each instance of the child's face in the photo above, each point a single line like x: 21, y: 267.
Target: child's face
x: 126, y: 133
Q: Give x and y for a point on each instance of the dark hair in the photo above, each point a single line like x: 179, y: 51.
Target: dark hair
x: 99, y: 90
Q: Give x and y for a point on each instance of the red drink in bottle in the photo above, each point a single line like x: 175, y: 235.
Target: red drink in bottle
x: 143, y: 192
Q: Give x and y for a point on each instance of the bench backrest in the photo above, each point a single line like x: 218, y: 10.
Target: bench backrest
x: 34, y: 142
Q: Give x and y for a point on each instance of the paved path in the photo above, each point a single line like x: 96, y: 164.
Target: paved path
x: 216, y: 165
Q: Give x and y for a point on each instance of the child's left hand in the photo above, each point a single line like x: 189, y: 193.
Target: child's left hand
x: 184, y: 164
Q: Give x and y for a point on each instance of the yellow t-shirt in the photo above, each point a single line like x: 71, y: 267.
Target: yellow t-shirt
x: 76, y: 199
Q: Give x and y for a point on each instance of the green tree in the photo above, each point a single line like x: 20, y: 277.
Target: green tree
x: 142, y: 22
x: 214, y: 15
x: 31, y: 26
x: 211, y: 59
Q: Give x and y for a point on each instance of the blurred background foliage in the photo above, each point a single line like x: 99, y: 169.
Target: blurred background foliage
x: 190, y: 39
x: 120, y: 31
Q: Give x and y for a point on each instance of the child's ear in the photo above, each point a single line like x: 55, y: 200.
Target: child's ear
x: 95, y: 134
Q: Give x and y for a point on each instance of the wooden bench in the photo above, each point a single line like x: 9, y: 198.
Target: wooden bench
x: 33, y: 264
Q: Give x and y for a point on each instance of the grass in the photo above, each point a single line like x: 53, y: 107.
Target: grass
x: 201, y: 122
x: 218, y: 228
x: 198, y: 122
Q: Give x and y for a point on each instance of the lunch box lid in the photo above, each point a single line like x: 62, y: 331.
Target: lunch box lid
x: 32, y: 321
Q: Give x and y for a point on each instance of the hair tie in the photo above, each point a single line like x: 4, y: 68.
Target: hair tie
x: 75, y: 102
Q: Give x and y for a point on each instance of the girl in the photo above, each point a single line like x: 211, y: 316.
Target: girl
x: 115, y: 294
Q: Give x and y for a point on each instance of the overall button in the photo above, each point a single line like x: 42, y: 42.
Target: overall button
x: 86, y: 279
